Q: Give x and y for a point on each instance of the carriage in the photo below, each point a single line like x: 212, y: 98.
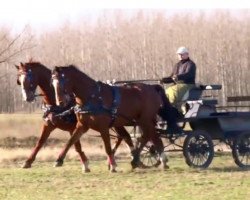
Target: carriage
x: 204, y: 123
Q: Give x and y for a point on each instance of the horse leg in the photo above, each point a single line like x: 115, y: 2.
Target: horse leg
x: 83, y: 157
x: 46, y: 130
x: 106, y: 140
x: 148, y: 131
x: 123, y: 135
x: 117, y: 144
x: 160, y: 149
x: 77, y: 133
x: 136, y: 153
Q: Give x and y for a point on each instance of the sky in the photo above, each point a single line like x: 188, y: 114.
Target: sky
x: 46, y: 14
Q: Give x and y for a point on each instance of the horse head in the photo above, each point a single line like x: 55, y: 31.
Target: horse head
x: 28, y: 81
x: 62, y: 85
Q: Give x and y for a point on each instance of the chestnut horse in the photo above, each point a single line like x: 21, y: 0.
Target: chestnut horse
x: 33, y: 74
x: 100, y: 106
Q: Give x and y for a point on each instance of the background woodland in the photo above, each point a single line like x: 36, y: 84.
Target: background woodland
x: 140, y: 44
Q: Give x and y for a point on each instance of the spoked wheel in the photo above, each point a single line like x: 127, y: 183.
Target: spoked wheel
x: 149, y: 156
x: 198, y: 149
x: 241, y: 150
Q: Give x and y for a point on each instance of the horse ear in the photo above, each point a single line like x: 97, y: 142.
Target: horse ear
x: 21, y: 64
x: 17, y: 66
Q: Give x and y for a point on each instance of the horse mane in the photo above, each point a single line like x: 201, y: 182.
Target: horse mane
x: 34, y: 64
x: 71, y: 68
x: 67, y: 67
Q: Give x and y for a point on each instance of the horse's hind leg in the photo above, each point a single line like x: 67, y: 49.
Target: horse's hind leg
x: 46, y: 130
x: 117, y: 144
x: 123, y: 135
x: 149, y: 133
x: 147, y: 130
x: 160, y: 149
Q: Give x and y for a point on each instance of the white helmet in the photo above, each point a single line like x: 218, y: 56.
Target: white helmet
x: 182, y: 50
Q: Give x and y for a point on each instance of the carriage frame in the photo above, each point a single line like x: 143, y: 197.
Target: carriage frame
x: 208, y: 122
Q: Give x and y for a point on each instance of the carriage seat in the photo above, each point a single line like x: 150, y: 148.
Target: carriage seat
x: 195, y: 92
x: 192, y: 101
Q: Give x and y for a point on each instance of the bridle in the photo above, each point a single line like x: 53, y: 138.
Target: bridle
x: 29, y: 75
x: 61, y: 81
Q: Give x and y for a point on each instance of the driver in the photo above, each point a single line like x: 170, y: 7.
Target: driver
x: 183, y: 77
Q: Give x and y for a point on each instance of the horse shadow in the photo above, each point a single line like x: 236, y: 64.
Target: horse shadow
x: 228, y: 169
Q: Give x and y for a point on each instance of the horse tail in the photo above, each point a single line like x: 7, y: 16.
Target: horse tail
x: 166, y: 111
x: 163, y: 96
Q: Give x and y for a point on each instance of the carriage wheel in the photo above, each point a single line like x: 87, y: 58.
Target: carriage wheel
x: 149, y: 156
x: 241, y: 150
x: 198, y: 149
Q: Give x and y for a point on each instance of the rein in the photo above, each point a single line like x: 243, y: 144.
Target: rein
x: 39, y: 95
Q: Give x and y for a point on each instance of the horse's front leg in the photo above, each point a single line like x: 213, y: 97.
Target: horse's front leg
x: 106, y: 140
x: 46, y: 130
x: 79, y: 130
x: 83, y: 157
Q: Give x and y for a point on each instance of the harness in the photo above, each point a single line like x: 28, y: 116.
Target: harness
x: 65, y: 113
x: 95, y: 109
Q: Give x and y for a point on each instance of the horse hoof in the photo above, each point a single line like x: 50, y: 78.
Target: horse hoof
x: 165, y: 167
x: 134, y: 164
x: 157, y: 164
x: 86, y: 170
x: 113, y: 171
x: 58, y: 164
x: 26, y: 165
x: 142, y: 166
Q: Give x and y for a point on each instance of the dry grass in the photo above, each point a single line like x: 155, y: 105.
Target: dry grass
x: 27, y: 125
x: 49, y: 154
x: 20, y: 125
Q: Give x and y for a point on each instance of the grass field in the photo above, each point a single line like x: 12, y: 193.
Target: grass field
x: 222, y: 180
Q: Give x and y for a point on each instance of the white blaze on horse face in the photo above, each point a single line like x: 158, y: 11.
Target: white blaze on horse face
x: 55, y: 84
x: 24, y: 94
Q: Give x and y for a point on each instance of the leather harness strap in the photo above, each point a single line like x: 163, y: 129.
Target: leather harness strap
x: 99, y: 108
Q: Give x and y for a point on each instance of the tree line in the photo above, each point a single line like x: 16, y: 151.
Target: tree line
x: 140, y: 45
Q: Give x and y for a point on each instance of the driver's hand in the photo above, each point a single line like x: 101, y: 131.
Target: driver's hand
x: 174, y: 77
